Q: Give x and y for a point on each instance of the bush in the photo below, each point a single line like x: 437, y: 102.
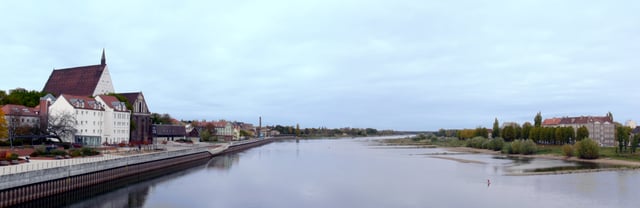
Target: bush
x: 419, y: 137
x: 506, y: 148
x: 486, y: 144
x: 66, y: 145
x: 567, y: 149
x: 476, y: 142
x: 496, y: 144
x: 515, y: 147
x: 75, y: 153
x: 13, y: 156
x: 528, y: 147
x: 587, y: 149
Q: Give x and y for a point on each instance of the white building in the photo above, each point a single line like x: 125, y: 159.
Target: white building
x: 97, y: 120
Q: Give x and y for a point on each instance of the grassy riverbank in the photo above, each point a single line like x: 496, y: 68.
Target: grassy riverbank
x: 608, y: 155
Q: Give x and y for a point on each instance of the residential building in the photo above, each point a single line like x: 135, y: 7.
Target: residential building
x: 631, y: 124
x: 601, y: 128
x: 21, y: 120
x: 141, y: 118
x: 225, y: 130
x: 98, y: 120
x: 116, y: 120
x: 81, y: 81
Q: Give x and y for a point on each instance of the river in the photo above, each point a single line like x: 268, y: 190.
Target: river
x: 360, y: 173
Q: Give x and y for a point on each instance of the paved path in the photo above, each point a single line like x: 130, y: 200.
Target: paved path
x: 36, y: 164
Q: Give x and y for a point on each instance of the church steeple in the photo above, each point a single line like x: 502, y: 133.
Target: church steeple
x: 103, y: 60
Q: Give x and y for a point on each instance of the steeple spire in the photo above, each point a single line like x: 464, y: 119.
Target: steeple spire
x: 103, y: 61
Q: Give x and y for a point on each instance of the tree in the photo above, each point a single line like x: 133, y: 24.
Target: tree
x: 587, y: 149
x: 582, y: 133
x: 509, y: 133
x: 569, y: 134
x: 481, y: 132
x: 62, y: 125
x: 534, y: 134
x: 161, y: 119
x: 622, y: 135
x: 635, y: 142
x: 4, y: 128
x: 496, y: 129
x: 206, y: 136
x: 245, y: 133
x: 537, y: 121
x: 526, y: 131
x: 21, y: 97
x: 297, y: 130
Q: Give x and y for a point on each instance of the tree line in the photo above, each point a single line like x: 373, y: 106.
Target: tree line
x: 327, y: 132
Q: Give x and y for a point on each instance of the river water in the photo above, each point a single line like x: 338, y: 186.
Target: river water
x: 360, y: 173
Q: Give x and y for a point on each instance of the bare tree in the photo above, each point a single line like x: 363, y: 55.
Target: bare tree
x: 62, y: 125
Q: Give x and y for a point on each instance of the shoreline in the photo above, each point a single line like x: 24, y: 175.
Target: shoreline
x: 607, y: 161
x: 625, y: 165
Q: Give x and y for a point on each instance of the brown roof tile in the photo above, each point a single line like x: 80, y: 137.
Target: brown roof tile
x: 75, y: 81
x: 19, y: 110
x: 110, y: 101
x: 82, y: 102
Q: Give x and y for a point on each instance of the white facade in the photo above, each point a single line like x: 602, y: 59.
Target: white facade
x: 105, y: 86
x: 631, y: 124
x: 116, y: 121
x: 96, y: 121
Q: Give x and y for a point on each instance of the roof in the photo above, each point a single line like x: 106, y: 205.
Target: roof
x: 577, y: 120
x: 82, y: 102
x: 76, y: 81
x: 131, y: 96
x: 113, y: 103
x: 168, y: 130
x: 551, y: 121
x: 19, y: 110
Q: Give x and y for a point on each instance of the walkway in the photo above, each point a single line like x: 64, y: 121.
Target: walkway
x: 38, y: 164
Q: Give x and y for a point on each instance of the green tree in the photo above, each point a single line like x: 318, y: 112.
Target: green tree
x: 206, y: 136
x: 622, y: 135
x: 526, y: 131
x: 297, y: 130
x: 534, y: 134
x: 635, y: 142
x: 496, y: 129
x: 559, y: 136
x: 161, y: 119
x: 537, y: 121
x: 582, y: 133
x: 587, y: 149
x: 509, y: 133
x: 569, y: 134
x: 4, y: 128
x: 481, y: 132
x: 22, y: 97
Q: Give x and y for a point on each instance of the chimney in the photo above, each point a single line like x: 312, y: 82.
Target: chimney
x: 44, y: 114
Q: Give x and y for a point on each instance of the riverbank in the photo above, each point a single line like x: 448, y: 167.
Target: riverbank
x: 459, y: 147
x: 43, y: 178
x: 607, y: 161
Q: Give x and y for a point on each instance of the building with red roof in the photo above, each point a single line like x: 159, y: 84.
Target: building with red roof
x: 84, y: 81
x: 601, y: 128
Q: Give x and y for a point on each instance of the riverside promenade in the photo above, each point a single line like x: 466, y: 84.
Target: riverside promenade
x: 171, y: 149
x: 42, y: 178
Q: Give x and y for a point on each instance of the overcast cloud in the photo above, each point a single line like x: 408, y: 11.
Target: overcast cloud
x: 404, y: 65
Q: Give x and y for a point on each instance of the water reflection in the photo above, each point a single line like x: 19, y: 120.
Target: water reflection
x: 348, y: 173
x: 224, y: 162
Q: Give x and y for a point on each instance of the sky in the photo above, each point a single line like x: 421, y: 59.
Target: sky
x: 402, y: 64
